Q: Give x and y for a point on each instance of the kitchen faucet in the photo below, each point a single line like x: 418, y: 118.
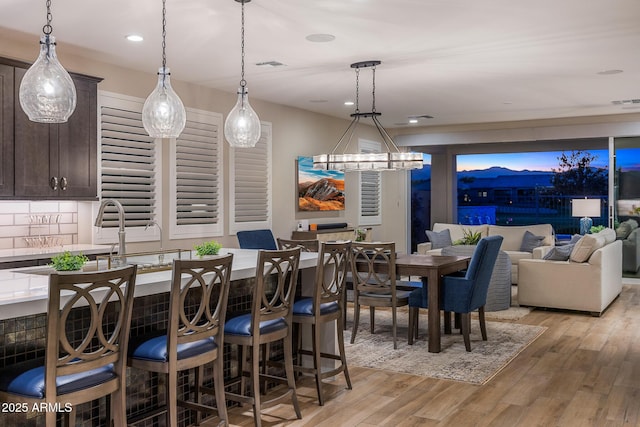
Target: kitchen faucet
x: 121, y: 233
x: 153, y: 222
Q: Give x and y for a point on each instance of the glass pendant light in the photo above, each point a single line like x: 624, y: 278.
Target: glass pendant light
x: 47, y: 93
x: 242, y: 126
x: 163, y: 114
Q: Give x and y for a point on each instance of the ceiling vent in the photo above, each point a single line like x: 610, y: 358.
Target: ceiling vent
x: 270, y: 64
x: 626, y: 102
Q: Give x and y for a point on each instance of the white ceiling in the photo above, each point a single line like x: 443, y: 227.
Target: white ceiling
x: 460, y: 61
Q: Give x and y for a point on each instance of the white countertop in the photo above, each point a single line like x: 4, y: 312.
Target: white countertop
x: 24, y: 254
x: 23, y: 294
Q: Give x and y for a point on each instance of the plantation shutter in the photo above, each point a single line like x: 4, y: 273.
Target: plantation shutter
x: 128, y: 163
x: 251, y: 184
x: 370, y: 189
x: 196, y: 185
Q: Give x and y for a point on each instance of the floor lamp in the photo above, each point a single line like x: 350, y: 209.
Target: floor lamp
x: 585, y: 208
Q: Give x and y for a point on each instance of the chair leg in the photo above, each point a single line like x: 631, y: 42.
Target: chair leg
x: 372, y: 318
x: 317, y: 362
x: 413, y: 314
x: 356, y: 320
x: 218, y: 384
x: 172, y: 398
x: 447, y: 322
x: 288, y: 368
x: 483, y: 325
x: 255, y: 384
x: 197, y: 398
x: 343, y: 355
x: 465, y: 324
x: 393, y: 326
x: 118, y: 404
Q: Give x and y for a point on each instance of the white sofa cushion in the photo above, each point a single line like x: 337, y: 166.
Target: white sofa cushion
x: 586, y: 246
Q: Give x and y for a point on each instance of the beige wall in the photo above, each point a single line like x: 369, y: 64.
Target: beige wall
x: 296, y: 132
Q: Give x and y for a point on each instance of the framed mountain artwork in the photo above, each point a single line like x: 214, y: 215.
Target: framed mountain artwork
x: 319, y: 190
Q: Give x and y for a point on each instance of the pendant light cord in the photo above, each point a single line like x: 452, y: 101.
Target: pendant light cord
x: 48, y: 29
x: 243, y: 82
x: 357, y: 90
x: 164, y: 34
x: 164, y: 43
x: 373, y: 91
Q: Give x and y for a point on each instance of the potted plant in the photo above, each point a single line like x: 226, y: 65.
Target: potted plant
x: 67, y: 261
x: 469, y: 238
x: 208, y: 248
x: 596, y: 229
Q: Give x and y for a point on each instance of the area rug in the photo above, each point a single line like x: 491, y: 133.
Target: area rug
x: 486, y: 359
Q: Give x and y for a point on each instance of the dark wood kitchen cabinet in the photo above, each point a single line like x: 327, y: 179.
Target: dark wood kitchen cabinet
x: 57, y: 161
x: 6, y: 130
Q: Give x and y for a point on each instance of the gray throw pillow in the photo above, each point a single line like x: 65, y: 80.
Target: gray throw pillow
x: 559, y: 253
x: 623, y: 230
x: 439, y: 239
x: 530, y: 241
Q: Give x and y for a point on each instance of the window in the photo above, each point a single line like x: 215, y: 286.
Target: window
x: 129, y: 167
x: 196, y: 166
x: 370, y: 212
x: 250, y: 184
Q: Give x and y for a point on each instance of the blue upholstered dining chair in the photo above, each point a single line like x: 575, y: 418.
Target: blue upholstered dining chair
x: 257, y: 239
x: 463, y: 292
x: 88, y: 323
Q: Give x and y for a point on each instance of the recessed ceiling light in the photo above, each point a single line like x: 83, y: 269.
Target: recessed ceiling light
x: 609, y: 72
x: 349, y: 103
x: 134, y: 38
x: 320, y: 38
x: 413, y: 121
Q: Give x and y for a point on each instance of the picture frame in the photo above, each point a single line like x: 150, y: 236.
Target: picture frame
x: 319, y: 190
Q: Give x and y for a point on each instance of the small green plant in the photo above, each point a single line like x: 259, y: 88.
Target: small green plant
x: 469, y: 238
x: 66, y: 261
x: 596, y: 229
x: 361, y: 234
x: 208, y: 248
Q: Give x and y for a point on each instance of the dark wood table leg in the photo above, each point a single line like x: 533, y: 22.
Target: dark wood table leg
x: 434, y: 310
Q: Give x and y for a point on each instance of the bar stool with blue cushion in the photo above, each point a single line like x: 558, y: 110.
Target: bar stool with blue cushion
x: 88, y: 322
x: 269, y: 321
x: 325, y: 306
x: 193, y: 338
x: 256, y: 239
x: 463, y: 292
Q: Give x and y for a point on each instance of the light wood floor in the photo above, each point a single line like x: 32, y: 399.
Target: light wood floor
x: 583, y: 371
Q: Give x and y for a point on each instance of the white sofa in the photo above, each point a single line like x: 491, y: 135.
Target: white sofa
x: 584, y: 286
x: 511, y: 244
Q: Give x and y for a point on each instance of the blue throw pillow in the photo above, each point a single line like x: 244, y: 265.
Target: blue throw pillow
x: 530, y: 241
x: 559, y: 253
x: 440, y: 239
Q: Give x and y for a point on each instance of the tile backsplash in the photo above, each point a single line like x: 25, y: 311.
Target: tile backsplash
x: 47, y: 223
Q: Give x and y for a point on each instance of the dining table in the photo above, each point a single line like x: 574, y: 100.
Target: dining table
x: 431, y: 268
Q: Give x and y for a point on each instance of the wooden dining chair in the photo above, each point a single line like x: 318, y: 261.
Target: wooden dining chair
x: 324, y: 306
x: 193, y: 337
x: 374, y: 282
x: 88, y: 323
x: 269, y: 321
x: 311, y: 245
